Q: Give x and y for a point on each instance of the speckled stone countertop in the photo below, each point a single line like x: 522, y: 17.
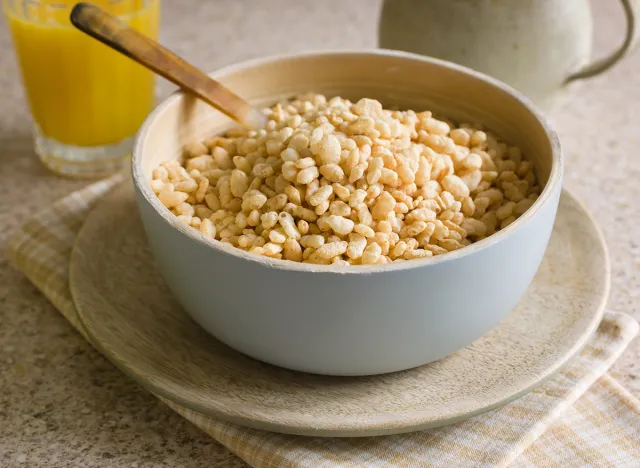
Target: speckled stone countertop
x: 64, y: 405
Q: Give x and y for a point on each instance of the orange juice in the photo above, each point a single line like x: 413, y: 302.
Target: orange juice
x: 81, y: 92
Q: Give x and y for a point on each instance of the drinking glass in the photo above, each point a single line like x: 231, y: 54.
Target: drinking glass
x: 87, y: 101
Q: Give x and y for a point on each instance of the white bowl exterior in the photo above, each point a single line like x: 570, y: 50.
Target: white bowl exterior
x: 328, y: 322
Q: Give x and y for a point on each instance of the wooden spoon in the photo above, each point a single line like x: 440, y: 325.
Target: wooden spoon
x: 109, y: 30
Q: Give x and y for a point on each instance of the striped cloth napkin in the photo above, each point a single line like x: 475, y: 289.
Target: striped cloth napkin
x: 581, y: 417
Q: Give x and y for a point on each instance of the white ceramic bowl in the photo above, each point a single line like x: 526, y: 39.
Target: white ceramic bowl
x: 360, y: 320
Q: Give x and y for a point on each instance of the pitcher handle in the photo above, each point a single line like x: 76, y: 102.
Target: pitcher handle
x: 630, y: 41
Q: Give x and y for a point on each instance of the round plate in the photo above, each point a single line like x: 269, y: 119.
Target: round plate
x: 134, y: 320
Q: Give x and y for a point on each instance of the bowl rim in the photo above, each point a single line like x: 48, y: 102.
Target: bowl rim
x: 552, y: 186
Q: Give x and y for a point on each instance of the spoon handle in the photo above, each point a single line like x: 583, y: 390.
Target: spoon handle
x: 109, y: 30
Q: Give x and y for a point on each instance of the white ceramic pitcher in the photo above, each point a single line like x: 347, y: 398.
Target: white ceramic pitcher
x: 536, y: 46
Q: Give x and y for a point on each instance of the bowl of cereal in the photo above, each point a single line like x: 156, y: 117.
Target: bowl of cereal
x: 394, y: 209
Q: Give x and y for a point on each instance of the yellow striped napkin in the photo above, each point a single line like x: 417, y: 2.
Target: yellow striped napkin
x: 582, y: 417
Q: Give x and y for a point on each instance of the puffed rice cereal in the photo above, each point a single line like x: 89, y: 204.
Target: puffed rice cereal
x: 329, y: 181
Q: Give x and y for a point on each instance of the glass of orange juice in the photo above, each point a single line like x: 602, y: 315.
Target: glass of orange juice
x: 87, y: 101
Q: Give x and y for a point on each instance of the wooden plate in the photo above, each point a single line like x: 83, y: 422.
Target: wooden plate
x: 134, y: 320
